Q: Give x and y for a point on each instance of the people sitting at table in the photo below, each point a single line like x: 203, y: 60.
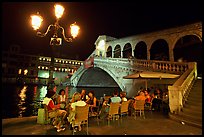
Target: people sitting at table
x: 105, y: 107
x: 54, y: 112
x: 62, y: 99
x: 76, y: 101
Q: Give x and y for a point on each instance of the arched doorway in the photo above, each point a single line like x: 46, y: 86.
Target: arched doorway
x: 140, y: 51
x: 109, y: 52
x: 127, y: 50
x: 159, y: 50
x: 189, y: 49
x: 117, y: 51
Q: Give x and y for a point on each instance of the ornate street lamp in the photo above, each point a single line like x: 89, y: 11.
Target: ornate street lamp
x: 36, y: 21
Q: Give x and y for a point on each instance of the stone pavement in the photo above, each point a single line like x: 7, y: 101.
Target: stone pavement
x: 155, y: 123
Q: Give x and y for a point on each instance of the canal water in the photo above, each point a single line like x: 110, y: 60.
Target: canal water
x: 24, y: 100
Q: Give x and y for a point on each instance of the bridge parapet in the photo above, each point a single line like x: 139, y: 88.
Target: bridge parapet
x: 162, y: 66
x: 117, y: 68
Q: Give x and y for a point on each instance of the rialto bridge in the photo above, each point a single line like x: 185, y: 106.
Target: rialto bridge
x: 175, y: 51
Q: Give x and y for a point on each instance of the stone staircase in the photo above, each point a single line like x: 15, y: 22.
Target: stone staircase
x: 191, y: 113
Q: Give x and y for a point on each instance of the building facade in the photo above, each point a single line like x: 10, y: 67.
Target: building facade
x: 34, y: 69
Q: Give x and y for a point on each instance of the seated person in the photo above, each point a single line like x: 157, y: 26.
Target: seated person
x: 76, y: 101
x: 84, y: 97
x: 141, y: 96
x: 115, y: 98
x: 92, y: 102
x: 62, y: 99
x: 54, y: 111
x: 123, y: 96
x: 105, y: 107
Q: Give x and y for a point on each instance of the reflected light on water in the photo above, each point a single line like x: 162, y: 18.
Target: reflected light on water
x: 43, y: 92
x: 22, y: 96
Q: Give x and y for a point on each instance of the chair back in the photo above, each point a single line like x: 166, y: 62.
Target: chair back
x: 124, y: 106
x: 46, y: 113
x: 81, y: 113
x: 114, y: 107
x: 139, y: 104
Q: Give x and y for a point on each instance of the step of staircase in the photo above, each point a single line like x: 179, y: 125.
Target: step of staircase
x: 194, y: 103
x: 191, y: 112
x: 180, y: 119
x: 195, y: 112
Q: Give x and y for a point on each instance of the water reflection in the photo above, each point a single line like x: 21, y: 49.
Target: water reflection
x: 21, y: 104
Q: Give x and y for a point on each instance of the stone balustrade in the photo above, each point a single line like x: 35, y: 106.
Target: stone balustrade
x: 178, y: 92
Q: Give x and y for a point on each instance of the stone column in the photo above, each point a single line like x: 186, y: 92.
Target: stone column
x: 171, y: 55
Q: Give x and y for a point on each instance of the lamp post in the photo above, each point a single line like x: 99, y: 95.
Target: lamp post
x: 36, y: 21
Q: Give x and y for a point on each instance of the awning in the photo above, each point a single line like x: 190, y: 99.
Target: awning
x: 150, y: 75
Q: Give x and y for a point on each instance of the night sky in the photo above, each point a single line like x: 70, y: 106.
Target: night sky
x: 116, y: 19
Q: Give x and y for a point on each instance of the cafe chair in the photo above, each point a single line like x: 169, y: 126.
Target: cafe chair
x: 81, y: 116
x: 124, y: 108
x: 139, y: 108
x: 113, y: 112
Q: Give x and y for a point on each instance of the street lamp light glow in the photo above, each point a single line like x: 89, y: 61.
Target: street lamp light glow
x: 74, y: 30
x: 36, y: 21
x: 59, y: 10
x: 55, y: 40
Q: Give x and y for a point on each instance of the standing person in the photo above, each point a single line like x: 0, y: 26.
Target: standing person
x: 54, y: 111
x: 76, y: 101
x: 62, y: 99
x: 83, y: 95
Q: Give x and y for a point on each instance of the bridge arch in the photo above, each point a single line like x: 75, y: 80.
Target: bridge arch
x: 109, y: 52
x: 188, y: 48
x: 159, y: 50
x: 140, y: 51
x: 97, y: 77
x: 127, y: 50
x: 117, y: 51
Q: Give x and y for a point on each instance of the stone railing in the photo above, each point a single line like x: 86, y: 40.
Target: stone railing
x: 179, y: 91
x: 163, y: 66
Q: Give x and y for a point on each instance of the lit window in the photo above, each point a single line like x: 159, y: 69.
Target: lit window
x: 81, y: 63
x: 65, y: 69
x: 19, y: 71
x: 60, y: 61
x: 42, y: 67
x: 58, y: 68
x: 69, y: 70
x: 43, y: 58
x: 39, y: 67
x: 40, y: 58
x: 66, y: 61
x: 55, y: 68
x: 46, y: 67
x: 70, y: 62
x: 56, y: 60
x: 63, y: 61
x: 62, y: 69
x: 25, y: 72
